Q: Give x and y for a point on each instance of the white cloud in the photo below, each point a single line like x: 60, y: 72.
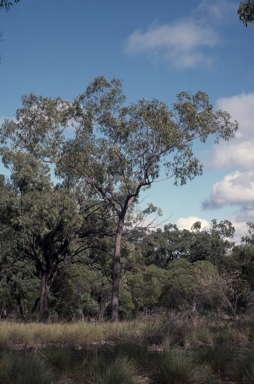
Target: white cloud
x: 238, y: 152
x: 181, y: 43
x: 218, y: 10
x: 187, y: 222
x: 236, y: 188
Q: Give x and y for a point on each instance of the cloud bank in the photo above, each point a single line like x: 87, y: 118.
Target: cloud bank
x: 237, y: 187
x: 237, y: 153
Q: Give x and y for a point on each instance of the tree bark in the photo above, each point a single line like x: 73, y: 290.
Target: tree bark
x: 33, y: 309
x: 103, y: 309
x: 20, y: 309
x: 43, y: 314
x: 116, y: 272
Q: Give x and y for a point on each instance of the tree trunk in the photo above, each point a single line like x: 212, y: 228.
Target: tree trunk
x: 103, y: 309
x: 33, y: 309
x: 116, y: 272
x: 20, y: 309
x: 43, y: 314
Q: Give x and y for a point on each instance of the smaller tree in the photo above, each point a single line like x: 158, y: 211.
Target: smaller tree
x: 46, y: 222
x: 214, y: 290
x: 212, y: 245
x: 161, y: 247
x: 145, y: 287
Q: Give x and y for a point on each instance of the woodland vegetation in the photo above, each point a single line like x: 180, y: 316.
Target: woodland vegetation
x: 75, y: 254
x: 81, y: 232
x: 57, y: 247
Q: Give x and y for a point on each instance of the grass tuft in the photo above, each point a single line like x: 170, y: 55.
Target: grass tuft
x: 119, y: 370
x: 177, y: 367
x: 242, y: 368
x: 218, y: 357
x: 25, y: 369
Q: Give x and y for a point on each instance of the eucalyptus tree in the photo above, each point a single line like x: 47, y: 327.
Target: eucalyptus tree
x: 46, y: 222
x: 211, y: 245
x: 160, y: 247
x: 117, y: 150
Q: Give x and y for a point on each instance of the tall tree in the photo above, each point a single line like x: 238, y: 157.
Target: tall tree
x: 116, y: 149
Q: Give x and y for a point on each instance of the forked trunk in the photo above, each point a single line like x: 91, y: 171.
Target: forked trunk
x: 116, y: 273
x: 43, y: 315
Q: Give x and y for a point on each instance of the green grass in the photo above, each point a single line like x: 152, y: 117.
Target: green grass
x: 241, y: 369
x: 165, y: 349
x: 178, y: 367
x: 65, y: 359
x: 117, y: 370
x: 218, y: 357
x: 25, y: 369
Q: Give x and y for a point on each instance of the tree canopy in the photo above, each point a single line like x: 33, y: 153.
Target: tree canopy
x: 47, y: 222
x: 117, y: 150
x: 246, y: 12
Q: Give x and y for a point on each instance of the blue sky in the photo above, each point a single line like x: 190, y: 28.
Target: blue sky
x: 158, y: 48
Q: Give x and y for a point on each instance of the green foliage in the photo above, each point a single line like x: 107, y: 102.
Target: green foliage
x: 145, y: 286
x: 161, y: 247
x: 117, y: 150
x: 46, y: 223
x: 212, y: 245
x: 64, y: 298
x: 126, y: 305
x: 179, y: 288
x: 246, y: 12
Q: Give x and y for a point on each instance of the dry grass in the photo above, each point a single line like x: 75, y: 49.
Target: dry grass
x: 135, y: 345
x: 159, y: 331
x: 80, y: 333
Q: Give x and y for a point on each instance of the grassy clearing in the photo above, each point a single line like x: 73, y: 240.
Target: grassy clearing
x: 161, y: 350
